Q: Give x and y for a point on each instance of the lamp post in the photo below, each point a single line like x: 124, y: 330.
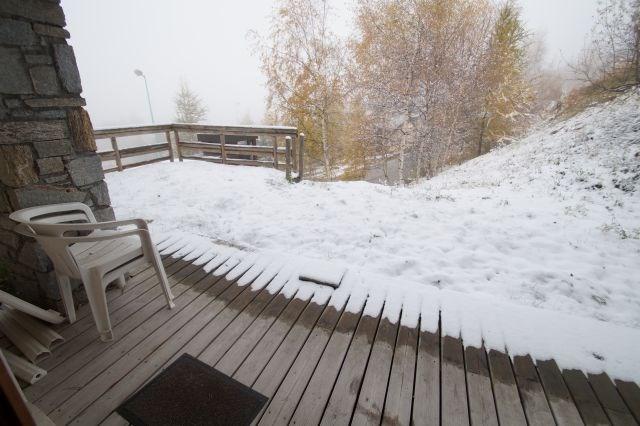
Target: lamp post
x: 141, y: 74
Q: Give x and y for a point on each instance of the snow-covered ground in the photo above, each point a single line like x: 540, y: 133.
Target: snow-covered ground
x: 551, y: 222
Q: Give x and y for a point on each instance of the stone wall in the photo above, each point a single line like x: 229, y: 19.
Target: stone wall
x: 47, y: 149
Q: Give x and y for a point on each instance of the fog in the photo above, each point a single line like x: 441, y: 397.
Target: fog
x: 205, y: 43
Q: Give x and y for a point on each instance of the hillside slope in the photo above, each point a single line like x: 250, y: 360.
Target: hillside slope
x: 551, y: 221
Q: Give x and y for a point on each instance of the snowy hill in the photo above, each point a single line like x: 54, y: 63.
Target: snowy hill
x: 551, y: 221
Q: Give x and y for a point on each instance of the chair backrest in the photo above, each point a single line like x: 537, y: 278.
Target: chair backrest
x: 35, y: 221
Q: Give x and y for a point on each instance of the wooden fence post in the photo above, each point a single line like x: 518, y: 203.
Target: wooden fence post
x: 167, y: 134
x: 294, y: 157
x: 275, y: 152
x: 223, y: 151
x: 116, y: 151
x: 300, y: 157
x: 287, y: 142
x: 177, y: 138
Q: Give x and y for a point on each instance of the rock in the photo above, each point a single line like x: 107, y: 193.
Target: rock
x: 16, y: 32
x: 53, y: 148
x: 37, y: 59
x: 35, y: 10
x: 14, y: 78
x: 45, y: 80
x: 51, y: 31
x: 12, y: 132
x: 39, y: 195
x: 105, y: 214
x: 13, y: 103
x: 5, y: 207
x: 81, y: 131
x: 50, y: 165
x: 85, y: 170
x: 51, y: 114
x: 67, y: 67
x: 17, y: 166
x: 9, y: 238
x: 55, y: 102
x: 100, y: 194
x: 57, y: 179
x: 33, y: 256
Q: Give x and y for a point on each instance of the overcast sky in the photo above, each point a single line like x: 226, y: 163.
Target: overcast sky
x: 205, y: 43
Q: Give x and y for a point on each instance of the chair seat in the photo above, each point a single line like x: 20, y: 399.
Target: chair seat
x: 106, y: 254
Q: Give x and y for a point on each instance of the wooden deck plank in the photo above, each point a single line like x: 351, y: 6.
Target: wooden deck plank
x: 221, y: 344
x: 562, y: 406
x: 610, y: 399
x: 426, y: 400
x: 254, y: 364
x: 208, y: 322
x: 505, y: 390
x: 316, y: 395
x: 126, y: 334
x: 234, y: 357
x: 283, y: 404
x: 453, y: 390
x: 161, y: 325
x: 536, y: 406
x: 482, y: 408
x: 588, y: 405
x: 370, y: 405
x: 398, y: 402
x: 630, y: 392
x: 347, y: 387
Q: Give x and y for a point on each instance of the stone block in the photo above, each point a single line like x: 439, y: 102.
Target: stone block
x: 85, y: 170
x: 13, y: 103
x: 47, y: 12
x: 17, y: 166
x: 16, y: 32
x: 21, y: 113
x: 14, y: 77
x: 105, y: 214
x: 5, y: 207
x: 39, y: 195
x: 67, y: 67
x: 37, y: 59
x: 57, y: 179
x: 50, y: 165
x: 48, y: 284
x: 81, y: 130
x: 45, y: 80
x: 33, y: 256
x: 53, y: 148
x: 51, y: 31
x: 51, y: 114
x: 55, y: 102
x: 13, y: 132
x: 100, y: 194
x: 9, y: 238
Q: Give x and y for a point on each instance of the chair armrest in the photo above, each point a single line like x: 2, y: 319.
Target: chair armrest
x: 142, y: 233
x: 61, y: 228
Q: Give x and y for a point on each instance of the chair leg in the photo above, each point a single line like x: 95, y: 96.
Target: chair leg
x: 98, y: 304
x: 64, y: 284
x: 162, y: 276
x: 121, y: 282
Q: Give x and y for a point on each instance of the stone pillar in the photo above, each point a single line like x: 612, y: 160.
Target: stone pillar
x: 47, y: 150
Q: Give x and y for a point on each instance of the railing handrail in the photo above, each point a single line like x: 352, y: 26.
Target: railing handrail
x: 248, y: 130
x: 175, y: 147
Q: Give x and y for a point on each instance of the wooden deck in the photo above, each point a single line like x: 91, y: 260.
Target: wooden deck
x: 315, y: 363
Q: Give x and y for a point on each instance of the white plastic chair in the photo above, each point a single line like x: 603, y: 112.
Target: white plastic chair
x: 103, y: 256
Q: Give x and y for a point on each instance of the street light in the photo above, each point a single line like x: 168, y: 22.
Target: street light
x: 141, y: 74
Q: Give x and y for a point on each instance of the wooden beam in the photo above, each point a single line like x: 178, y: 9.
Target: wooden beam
x: 177, y: 138
x: 287, y: 141
x: 275, y: 152
x: 223, y: 152
x: 116, y: 152
x: 167, y: 135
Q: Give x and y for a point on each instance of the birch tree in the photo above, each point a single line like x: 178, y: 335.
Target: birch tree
x: 189, y: 107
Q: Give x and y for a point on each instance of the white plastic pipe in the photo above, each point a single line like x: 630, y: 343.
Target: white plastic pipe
x: 28, y: 345
x: 36, y: 328
x: 23, y: 369
x: 50, y: 315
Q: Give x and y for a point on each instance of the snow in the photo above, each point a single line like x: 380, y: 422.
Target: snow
x: 322, y: 273
x: 534, y: 247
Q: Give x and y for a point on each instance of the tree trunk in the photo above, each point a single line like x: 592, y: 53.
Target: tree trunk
x: 401, y: 159
x: 325, y: 148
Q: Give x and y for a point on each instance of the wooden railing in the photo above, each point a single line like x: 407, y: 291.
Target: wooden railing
x: 284, y: 151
